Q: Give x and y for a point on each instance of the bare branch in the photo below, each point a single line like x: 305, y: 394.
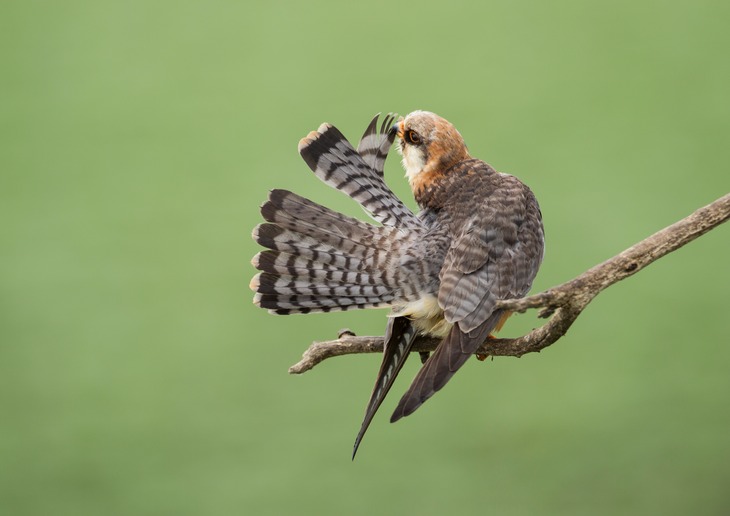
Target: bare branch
x: 562, y: 304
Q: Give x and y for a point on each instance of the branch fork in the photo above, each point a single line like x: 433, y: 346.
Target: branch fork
x: 561, y: 304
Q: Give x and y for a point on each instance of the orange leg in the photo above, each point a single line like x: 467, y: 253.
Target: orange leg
x: 481, y: 356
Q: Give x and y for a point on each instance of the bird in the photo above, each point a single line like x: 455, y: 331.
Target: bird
x: 477, y: 238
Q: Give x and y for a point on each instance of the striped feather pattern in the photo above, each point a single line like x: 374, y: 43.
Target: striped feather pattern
x: 478, y: 238
x: 339, y: 165
x: 374, y: 145
x: 319, y: 260
x: 398, y: 341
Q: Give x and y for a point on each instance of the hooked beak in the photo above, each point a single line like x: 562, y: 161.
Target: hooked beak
x: 397, y: 129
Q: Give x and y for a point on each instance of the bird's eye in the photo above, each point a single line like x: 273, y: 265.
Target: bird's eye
x: 413, y: 137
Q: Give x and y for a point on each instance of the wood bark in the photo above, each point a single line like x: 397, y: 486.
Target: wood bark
x: 561, y: 304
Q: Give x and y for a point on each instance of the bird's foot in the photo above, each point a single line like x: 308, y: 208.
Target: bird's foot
x: 483, y: 356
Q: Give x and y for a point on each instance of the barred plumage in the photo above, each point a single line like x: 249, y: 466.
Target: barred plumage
x: 374, y: 145
x: 321, y: 260
x: 478, y: 239
x: 338, y: 164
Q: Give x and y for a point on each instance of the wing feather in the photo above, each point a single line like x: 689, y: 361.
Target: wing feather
x: 495, y: 254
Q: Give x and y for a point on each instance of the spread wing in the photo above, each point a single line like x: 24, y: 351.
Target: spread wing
x: 494, y: 255
x: 374, y: 145
x: 359, y: 176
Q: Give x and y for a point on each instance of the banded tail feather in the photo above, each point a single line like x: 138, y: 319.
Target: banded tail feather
x: 318, y: 260
x: 333, y: 160
x: 477, y: 239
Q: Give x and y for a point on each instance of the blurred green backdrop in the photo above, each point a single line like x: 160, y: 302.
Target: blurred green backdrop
x: 137, y: 141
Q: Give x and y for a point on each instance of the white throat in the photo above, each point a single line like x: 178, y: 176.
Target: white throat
x: 413, y: 163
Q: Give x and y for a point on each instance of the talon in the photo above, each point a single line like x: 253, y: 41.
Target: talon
x: 483, y: 356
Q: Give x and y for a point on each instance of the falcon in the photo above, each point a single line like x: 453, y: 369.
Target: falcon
x: 477, y: 239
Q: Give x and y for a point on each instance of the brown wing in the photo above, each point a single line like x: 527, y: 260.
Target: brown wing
x: 451, y: 354
x: 495, y: 255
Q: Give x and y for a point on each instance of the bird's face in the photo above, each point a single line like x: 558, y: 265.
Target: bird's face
x: 428, y: 144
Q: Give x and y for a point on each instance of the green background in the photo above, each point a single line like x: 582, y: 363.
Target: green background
x: 137, y: 140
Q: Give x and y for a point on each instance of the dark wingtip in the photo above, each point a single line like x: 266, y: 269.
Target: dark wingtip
x: 372, y: 126
x: 354, y: 448
x: 387, y: 126
x: 361, y: 434
x: 412, y: 399
x: 401, y: 412
x: 318, y: 142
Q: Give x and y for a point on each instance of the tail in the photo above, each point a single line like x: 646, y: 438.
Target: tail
x: 321, y: 261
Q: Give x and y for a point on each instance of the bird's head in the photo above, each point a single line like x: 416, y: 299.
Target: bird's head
x: 429, y: 145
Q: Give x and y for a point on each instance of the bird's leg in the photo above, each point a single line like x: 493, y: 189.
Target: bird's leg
x: 506, y: 315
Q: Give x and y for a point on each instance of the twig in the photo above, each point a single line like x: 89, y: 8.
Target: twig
x: 562, y: 304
